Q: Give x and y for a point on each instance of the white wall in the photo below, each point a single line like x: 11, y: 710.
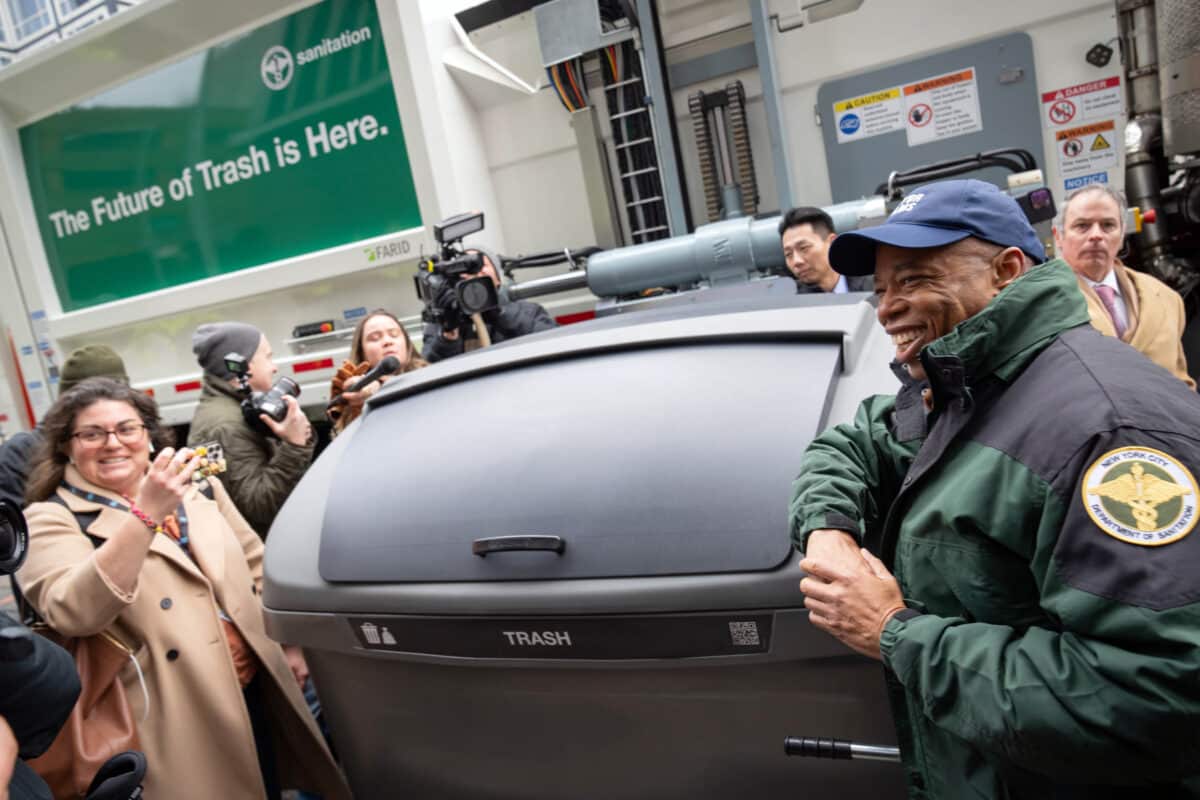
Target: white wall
x: 527, y: 141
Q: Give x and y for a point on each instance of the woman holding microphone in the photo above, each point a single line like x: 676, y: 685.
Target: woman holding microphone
x: 377, y: 336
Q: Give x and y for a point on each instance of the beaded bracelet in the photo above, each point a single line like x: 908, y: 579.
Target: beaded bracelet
x: 142, y: 516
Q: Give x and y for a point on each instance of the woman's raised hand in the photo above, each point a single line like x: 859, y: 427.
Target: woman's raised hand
x: 169, y: 478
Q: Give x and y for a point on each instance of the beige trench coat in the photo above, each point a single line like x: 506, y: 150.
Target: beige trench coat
x: 1156, y: 319
x: 197, y: 735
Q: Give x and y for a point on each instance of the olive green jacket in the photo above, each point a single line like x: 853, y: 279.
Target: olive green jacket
x: 1052, y: 643
x: 261, y: 469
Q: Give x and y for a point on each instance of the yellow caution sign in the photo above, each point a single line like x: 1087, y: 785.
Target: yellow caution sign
x: 1101, y: 143
x: 866, y: 100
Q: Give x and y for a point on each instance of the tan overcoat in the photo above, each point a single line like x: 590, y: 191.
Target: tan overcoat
x: 1156, y: 319
x: 197, y: 735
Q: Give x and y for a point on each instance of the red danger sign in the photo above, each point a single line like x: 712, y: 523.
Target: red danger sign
x: 1072, y: 148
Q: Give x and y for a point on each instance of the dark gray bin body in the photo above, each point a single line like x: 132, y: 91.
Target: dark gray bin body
x: 665, y: 652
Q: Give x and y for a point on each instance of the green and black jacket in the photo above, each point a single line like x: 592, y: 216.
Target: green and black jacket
x: 1043, y: 656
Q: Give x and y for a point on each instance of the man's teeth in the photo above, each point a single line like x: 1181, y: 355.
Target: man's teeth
x: 904, y: 339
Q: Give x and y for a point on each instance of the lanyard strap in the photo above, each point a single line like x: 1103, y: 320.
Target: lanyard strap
x: 180, y: 514
x: 182, y: 541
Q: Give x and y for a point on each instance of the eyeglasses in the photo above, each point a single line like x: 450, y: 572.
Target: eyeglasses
x: 126, y: 433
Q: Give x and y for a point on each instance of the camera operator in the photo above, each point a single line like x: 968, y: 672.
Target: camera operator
x: 38, y: 680
x: 508, y: 320
x: 40, y: 689
x: 262, y: 467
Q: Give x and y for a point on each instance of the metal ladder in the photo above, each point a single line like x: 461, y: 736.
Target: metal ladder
x: 636, y: 152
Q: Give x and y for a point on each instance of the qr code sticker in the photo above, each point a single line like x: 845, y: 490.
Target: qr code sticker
x: 744, y: 634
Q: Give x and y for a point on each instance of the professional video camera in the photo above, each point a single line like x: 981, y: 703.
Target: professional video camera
x: 449, y: 284
x: 14, y: 539
x: 254, y: 403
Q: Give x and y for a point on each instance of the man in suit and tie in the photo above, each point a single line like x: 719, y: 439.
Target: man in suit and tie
x: 1133, y: 306
x: 806, y: 234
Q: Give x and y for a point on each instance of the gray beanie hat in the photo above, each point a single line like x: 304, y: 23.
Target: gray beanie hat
x: 214, y: 340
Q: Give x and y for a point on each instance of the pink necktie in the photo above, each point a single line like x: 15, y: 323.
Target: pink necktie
x: 1108, y: 297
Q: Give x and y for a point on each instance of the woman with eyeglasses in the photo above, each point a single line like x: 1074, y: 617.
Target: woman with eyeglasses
x: 171, y: 570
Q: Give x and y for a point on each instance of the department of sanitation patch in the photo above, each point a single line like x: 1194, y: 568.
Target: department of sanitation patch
x: 1141, y: 496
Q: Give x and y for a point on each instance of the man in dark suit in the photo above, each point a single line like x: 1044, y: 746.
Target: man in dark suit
x: 806, y: 234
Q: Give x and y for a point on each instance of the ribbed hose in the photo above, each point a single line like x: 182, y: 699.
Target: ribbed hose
x: 739, y: 134
x: 704, y: 152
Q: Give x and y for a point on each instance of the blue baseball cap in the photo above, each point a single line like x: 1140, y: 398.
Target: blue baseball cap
x: 938, y: 214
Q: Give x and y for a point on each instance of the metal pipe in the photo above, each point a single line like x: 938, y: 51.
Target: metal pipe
x: 1178, y: 21
x: 1142, y: 142
x: 839, y: 749
x: 732, y: 249
x: 1139, y: 55
x: 552, y: 284
x: 875, y: 752
x: 764, y: 49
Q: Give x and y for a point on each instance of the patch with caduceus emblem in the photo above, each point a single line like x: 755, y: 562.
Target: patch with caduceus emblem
x: 1141, y: 496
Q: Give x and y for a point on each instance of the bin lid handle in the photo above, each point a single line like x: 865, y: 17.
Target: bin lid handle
x: 502, y: 544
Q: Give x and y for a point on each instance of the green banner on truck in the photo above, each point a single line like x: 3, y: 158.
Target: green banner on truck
x: 282, y: 141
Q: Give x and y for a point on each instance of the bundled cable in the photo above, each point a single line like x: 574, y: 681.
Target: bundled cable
x: 567, y: 79
x: 552, y: 74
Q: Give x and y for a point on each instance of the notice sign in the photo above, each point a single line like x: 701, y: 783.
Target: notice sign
x: 942, y: 107
x: 279, y: 142
x: 1085, y: 151
x: 869, y: 115
x: 1085, y: 103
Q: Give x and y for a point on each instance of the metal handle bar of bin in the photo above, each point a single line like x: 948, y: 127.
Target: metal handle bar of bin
x: 839, y: 748
x: 504, y: 544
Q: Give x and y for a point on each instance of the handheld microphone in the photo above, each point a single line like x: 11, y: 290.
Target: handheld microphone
x: 388, y: 366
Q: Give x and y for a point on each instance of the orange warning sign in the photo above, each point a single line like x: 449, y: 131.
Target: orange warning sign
x: 1083, y: 130
x: 940, y: 81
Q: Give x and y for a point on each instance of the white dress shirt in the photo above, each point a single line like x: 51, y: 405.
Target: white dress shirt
x: 842, y: 287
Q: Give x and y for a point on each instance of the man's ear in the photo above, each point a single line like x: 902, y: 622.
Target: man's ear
x: 829, y: 239
x: 1008, y: 265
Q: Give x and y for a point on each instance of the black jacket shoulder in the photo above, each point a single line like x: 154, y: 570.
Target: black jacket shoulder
x: 40, y: 691
x: 512, y: 319
x: 1082, y: 386
x: 16, y: 456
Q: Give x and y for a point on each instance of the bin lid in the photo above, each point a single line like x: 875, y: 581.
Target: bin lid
x: 649, y: 461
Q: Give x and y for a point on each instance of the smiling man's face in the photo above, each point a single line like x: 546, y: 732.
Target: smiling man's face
x: 923, y: 293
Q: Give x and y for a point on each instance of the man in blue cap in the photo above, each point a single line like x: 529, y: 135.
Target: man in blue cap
x: 1030, y: 583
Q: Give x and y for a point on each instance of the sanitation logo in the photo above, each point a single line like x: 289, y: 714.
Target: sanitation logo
x: 278, y: 67
x: 1141, y: 496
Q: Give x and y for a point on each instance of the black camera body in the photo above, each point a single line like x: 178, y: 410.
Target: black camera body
x: 449, y: 284
x: 254, y: 403
x: 14, y: 538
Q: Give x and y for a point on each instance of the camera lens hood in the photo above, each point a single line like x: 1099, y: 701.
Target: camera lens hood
x: 14, y: 538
